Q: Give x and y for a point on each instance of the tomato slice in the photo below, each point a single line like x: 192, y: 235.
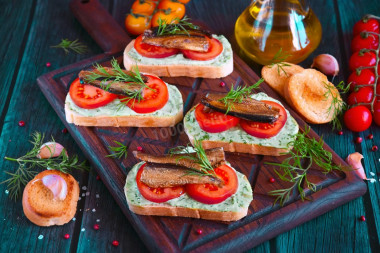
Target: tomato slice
x: 212, y: 121
x: 215, y: 49
x: 153, y: 99
x: 157, y: 195
x: 151, y: 51
x: 89, y: 97
x: 265, y: 130
x: 212, y: 194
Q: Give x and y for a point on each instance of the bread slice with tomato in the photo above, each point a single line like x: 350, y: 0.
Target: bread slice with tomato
x: 242, y: 133
x: 192, y: 53
x: 220, y: 193
x: 114, y: 97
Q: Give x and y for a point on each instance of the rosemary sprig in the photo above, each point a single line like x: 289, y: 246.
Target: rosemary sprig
x: 200, y: 158
x: 238, y: 94
x: 118, y: 151
x: 29, y: 163
x: 305, y: 151
x: 176, y: 26
x: 337, y: 106
x: 74, y: 46
x: 278, y: 61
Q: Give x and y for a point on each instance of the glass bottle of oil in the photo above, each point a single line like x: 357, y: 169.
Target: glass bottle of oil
x: 267, y: 26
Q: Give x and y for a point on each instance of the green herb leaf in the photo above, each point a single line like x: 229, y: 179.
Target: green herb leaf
x: 337, y: 106
x: 178, y: 26
x: 278, y: 61
x: 118, y: 151
x: 74, y: 46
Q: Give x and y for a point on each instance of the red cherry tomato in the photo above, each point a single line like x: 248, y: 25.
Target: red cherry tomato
x: 212, y: 194
x: 151, y: 51
x: 358, y: 118
x: 157, y: 195
x: 89, y: 97
x: 154, y: 98
x: 363, y: 95
x: 372, y: 25
x: 265, y: 130
x: 376, y: 113
x: 212, y: 121
x: 359, y: 59
x: 366, y: 76
x: 370, y: 42
x: 215, y: 49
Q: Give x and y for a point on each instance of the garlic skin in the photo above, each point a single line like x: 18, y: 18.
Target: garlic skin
x: 57, y: 186
x: 50, y: 149
x: 354, y: 160
x: 327, y: 64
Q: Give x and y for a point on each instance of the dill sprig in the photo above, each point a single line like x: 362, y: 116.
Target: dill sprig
x: 74, y: 46
x: 177, y: 25
x: 306, y: 152
x: 337, y: 106
x: 29, y: 163
x: 238, y: 94
x: 278, y: 61
x: 200, y: 158
x: 118, y: 151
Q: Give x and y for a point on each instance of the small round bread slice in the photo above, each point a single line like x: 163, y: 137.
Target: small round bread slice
x: 311, y: 94
x: 277, y: 76
x: 40, y: 207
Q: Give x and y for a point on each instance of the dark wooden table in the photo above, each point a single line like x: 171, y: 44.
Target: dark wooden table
x: 29, y: 28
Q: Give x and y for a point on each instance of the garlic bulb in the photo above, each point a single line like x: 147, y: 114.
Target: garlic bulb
x: 57, y: 185
x: 354, y: 160
x: 327, y: 64
x: 50, y: 149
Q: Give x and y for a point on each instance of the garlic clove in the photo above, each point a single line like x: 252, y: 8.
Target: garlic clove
x: 326, y: 63
x: 354, y: 160
x: 57, y: 185
x: 50, y: 149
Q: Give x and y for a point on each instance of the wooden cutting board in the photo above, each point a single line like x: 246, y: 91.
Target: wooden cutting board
x: 175, y: 234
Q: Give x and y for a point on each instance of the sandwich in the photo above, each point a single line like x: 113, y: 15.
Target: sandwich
x: 194, y: 183
x: 181, y: 49
x: 242, y: 122
x: 111, y: 96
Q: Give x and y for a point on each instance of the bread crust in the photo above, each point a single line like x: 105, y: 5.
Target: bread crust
x: 45, y: 217
x: 122, y: 121
x: 205, y: 71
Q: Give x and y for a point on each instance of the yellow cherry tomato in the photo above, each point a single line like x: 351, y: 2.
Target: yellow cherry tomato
x: 184, y: 1
x: 167, y: 17
x: 145, y: 7
x: 176, y: 8
x: 136, y: 24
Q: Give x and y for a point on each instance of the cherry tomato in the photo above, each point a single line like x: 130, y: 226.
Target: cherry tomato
x: 184, y: 1
x: 89, y: 97
x: 151, y: 51
x: 157, y: 195
x: 266, y: 130
x: 175, y: 8
x: 167, y: 17
x: 372, y: 25
x: 154, y: 98
x: 215, y: 49
x: 359, y: 59
x: 376, y: 113
x: 145, y: 7
x: 370, y: 42
x: 358, y: 118
x: 212, y: 194
x: 212, y: 121
x: 366, y: 76
x: 136, y: 24
x: 363, y: 95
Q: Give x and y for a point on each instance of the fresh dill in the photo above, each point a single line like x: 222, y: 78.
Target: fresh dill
x: 175, y: 27
x: 74, y: 46
x: 29, y: 163
x: 278, y: 61
x: 238, y: 94
x: 118, y: 151
x: 306, y: 152
x: 337, y: 106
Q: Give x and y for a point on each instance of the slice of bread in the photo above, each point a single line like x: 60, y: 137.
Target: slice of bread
x: 221, y: 67
x: 228, y: 210
x: 278, y: 77
x: 40, y: 207
x: 307, y: 93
